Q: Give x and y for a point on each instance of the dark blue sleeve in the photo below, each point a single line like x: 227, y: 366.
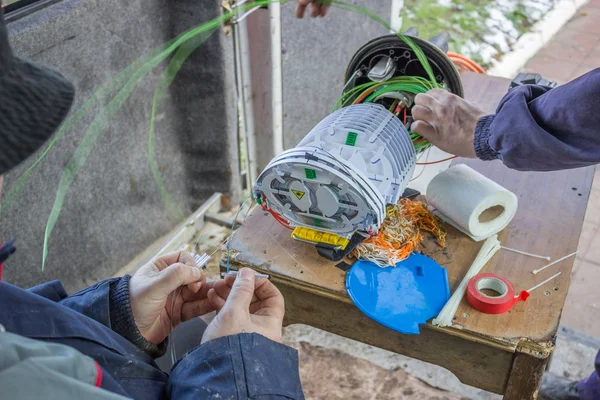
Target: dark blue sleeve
x: 108, y: 303
x: 542, y: 130
x: 52, y: 290
x: 244, y: 366
x: 93, y: 302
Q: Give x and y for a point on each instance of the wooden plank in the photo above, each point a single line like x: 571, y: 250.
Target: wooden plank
x: 525, y: 377
x: 551, y: 211
x: 475, y: 364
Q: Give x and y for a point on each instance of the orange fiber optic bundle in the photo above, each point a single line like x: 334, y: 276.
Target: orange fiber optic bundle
x: 464, y: 63
x: 401, y: 234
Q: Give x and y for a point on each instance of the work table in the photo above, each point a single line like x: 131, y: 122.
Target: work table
x: 505, y: 354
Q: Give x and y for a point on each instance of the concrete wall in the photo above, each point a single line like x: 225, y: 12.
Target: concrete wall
x: 114, y: 210
x: 316, y: 53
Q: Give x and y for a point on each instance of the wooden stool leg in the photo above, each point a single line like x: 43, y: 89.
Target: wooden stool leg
x: 525, y: 377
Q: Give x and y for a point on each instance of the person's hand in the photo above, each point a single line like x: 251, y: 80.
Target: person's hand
x: 151, y: 291
x: 447, y: 121
x: 318, y: 8
x: 245, y: 305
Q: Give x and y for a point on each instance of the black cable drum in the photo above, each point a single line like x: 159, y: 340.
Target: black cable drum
x: 407, y: 63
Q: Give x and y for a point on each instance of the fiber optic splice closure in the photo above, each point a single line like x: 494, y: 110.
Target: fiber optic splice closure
x: 333, y: 188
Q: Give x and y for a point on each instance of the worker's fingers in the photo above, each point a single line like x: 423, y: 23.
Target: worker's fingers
x: 177, y: 275
x: 273, y: 307
x: 255, y: 307
x: 424, y: 129
x: 242, y: 291
x: 195, y: 287
x: 183, y: 257
x: 197, y: 308
x: 423, y: 113
x: 189, y: 295
x: 216, y: 301
x: 271, y: 300
x: 426, y: 100
x: 229, y: 280
x: 265, y: 289
x: 301, y: 8
x: 224, y: 287
x: 439, y: 94
x: 324, y: 10
x: 315, y: 9
x: 173, y: 308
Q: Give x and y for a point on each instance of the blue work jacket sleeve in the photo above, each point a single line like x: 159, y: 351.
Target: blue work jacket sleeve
x: 536, y: 129
x: 106, y: 302
x: 244, y: 366
x: 93, y: 302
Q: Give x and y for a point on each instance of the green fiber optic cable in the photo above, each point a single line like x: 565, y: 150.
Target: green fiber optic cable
x: 347, y: 97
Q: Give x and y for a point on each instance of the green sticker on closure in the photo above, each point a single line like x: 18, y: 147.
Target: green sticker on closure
x: 351, y: 139
x: 310, y: 173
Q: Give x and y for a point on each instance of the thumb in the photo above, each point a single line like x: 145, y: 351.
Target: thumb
x: 177, y: 275
x: 242, y: 291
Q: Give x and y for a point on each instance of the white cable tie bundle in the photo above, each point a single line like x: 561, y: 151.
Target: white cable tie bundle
x: 489, y: 248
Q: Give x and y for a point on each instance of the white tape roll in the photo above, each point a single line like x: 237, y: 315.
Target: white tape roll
x: 461, y: 195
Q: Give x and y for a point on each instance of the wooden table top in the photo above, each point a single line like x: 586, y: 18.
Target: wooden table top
x: 552, y: 206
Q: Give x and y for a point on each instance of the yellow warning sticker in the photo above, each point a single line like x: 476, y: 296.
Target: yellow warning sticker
x: 299, y: 194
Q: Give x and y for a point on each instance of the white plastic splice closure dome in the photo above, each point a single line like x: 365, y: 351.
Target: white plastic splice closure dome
x: 342, y: 175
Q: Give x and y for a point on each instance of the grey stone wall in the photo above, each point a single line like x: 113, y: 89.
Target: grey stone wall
x: 114, y: 209
x: 316, y: 54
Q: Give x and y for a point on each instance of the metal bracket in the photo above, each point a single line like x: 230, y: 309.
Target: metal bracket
x: 227, y: 6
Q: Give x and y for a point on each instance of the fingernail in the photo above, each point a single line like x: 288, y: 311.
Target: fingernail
x: 197, y: 273
x: 246, y: 273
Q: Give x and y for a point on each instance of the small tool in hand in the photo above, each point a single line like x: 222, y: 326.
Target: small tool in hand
x: 235, y: 273
x: 202, y: 260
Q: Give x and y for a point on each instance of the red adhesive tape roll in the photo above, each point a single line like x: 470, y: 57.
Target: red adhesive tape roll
x: 493, y: 304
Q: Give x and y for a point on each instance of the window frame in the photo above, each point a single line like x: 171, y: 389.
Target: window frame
x: 21, y: 8
x: 17, y: 4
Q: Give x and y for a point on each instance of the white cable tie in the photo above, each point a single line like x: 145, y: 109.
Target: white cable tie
x: 235, y: 273
x: 526, y: 253
x: 202, y: 260
x: 543, y: 283
x: 242, y: 17
x: 535, y: 272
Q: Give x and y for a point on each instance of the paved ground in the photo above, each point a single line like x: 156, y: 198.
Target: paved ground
x: 582, y: 310
x: 575, y: 50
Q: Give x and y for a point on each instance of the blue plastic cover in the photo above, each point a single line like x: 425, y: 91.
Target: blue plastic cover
x: 400, y: 298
